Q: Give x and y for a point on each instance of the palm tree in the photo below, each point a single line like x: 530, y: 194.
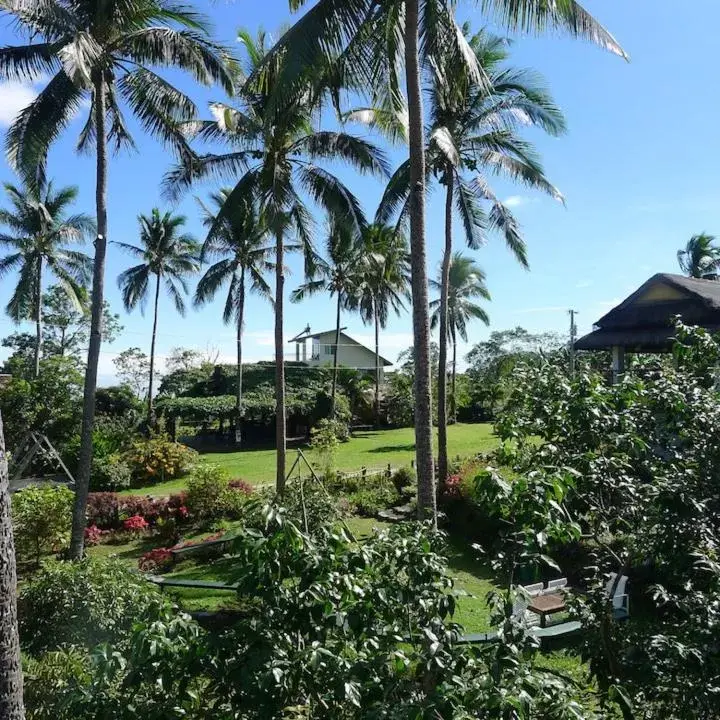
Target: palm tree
x: 279, y: 150
x: 102, y: 54
x: 39, y: 229
x: 11, y: 685
x: 370, y: 38
x: 700, y: 257
x: 169, y: 255
x: 466, y: 283
x: 337, y: 275
x: 385, y: 285
x: 473, y: 130
x: 240, y: 249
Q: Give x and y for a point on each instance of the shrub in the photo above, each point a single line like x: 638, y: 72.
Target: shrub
x: 156, y: 560
x: 93, y: 535
x: 110, y: 473
x: 42, y: 517
x: 211, y: 495
x: 309, y: 505
x: 324, y: 442
x: 135, y: 524
x: 370, y: 501
x: 103, y: 510
x: 402, y: 478
x: 242, y: 486
x: 158, y: 459
x: 83, y: 603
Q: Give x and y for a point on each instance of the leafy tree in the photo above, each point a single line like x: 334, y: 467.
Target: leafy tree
x: 466, y: 282
x: 11, y: 678
x: 50, y: 404
x: 492, y: 362
x: 66, y: 328
x: 182, y: 360
x: 39, y: 229
x: 374, y: 40
x: 281, y: 148
x: 103, y: 56
x: 700, y: 256
x: 171, y: 256
x: 133, y: 369
x: 337, y: 275
x: 239, y: 246
x: 385, y: 271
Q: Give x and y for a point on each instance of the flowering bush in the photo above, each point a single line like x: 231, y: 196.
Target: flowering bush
x: 157, y: 560
x: 93, y: 534
x: 452, y: 486
x: 108, y: 511
x: 135, y: 524
x: 158, y: 459
x: 102, y: 510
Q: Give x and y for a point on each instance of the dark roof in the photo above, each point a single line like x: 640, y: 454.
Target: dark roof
x: 305, y: 334
x: 648, y: 326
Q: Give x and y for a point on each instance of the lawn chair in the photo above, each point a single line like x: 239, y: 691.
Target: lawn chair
x: 620, y: 600
x: 522, y: 614
x: 558, y: 584
x: 533, y: 590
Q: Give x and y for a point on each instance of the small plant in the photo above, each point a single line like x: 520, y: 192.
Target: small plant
x: 370, y: 501
x: 135, y: 524
x: 211, y: 495
x: 403, y: 477
x: 103, y: 510
x: 156, y: 560
x: 324, y: 443
x: 42, y: 517
x: 110, y: 473
x: 93, y: 535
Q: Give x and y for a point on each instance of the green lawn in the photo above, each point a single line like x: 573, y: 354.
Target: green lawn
x: 371, y: 449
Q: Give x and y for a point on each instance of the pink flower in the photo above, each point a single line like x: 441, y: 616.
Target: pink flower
x: 136, y: 523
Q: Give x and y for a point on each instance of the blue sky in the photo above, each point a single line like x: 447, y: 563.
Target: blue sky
x: 638, y: 168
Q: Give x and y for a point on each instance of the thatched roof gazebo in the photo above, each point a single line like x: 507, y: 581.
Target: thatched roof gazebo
x: 644, y: 321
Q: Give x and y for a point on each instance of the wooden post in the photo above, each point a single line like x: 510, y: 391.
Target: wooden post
x: 618, y: 362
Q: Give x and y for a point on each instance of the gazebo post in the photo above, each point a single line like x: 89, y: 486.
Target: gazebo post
x: 618, y: 362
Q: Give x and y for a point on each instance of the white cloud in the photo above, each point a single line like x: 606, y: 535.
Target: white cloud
x: 516, y: 201
x: 14, y: 96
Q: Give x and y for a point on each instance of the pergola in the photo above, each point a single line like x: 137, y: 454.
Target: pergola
x: 644, y: 321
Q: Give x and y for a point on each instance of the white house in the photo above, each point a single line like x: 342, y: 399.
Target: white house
x: 317, y: 349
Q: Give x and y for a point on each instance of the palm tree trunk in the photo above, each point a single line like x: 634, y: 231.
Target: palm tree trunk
x: 335, y: 357
x: 442, y: 369
x: 453, y: 401
x: 377, y: 364
x: 238, y: 400
x: 11, y: 679
x: 419, y: 281
x: 82, y: 479
x: 38, y: 317
x: 151, y: 383
x: 280, y: 439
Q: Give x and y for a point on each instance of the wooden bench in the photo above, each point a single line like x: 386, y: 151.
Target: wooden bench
x: 164, y: 582
x: 559, y: 630
x: 189, y: 549
x: 476, y: 638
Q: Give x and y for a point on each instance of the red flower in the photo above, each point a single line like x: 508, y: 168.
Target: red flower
x: 157, y: 559
x: 136, y: 523
x: 93, y: 535
x: 182, y: 512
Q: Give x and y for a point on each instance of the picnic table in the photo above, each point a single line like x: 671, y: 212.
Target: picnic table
x: 544, y: 605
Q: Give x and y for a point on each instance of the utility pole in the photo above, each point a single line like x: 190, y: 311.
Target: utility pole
x: 573, y: 337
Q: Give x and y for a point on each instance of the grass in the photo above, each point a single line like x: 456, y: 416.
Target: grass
x: 371, y: 449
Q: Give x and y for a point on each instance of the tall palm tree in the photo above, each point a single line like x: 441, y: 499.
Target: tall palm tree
x: 376, y: 39
x: 240, y: 249
x: 169, y: 255
x: 39, y: 228
x: 472, y: 135
x: 102, y: 52
x: 278, y: 151
x: 700, y: 256
x: 337, y: 274
x: 466, y: 284
x: 385, y: 285
x: 11, y: 678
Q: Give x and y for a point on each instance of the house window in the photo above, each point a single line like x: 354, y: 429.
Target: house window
x: 329, y: 349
